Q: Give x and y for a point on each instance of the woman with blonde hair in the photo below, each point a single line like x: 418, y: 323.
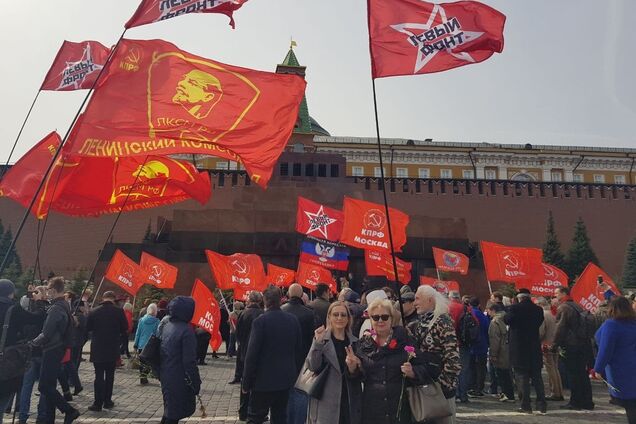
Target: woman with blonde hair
x: 341, y: 399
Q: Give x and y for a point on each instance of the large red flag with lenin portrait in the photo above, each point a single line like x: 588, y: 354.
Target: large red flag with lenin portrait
x: 449, y: 261
x: 518, y: 265
x: 316, y: 220
x: 160, y: 273
x: 381, y: 264
x: 553, y: 277
x: 240, y: 271
x: 150, y: 11
x: 365, y: 226
x: 409, y: 37
x: 125, y: 272
x: 279, y: 276
x: 155, y: 99
x: 76, y: 66
x: 309, y: 276
x: 442, y: 286
x: 587, y: 292
x: 207, y: 313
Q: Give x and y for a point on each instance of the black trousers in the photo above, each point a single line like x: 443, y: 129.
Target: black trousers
x: 49, y: 372
x: 524, y: 376
x: 479, y: 370
x: 505, y: 381
x: 203, y: 340
x: 104, y: 380
x: 263, y: 402
x: 575, y: 361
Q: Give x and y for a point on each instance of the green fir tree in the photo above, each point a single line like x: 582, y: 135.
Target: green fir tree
x: 580, y: 253
x: 552, y: 247
x: 629, y: 269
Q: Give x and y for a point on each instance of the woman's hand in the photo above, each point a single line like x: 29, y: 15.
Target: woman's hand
x: 595, y: 375
x: 407, y: 370
x: 352, y: 361
x: 319, y: 332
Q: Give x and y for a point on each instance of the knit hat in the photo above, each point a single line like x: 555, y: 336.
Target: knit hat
x: 7, y: 288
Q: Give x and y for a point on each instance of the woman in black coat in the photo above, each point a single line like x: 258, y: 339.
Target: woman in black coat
x: 180, y: 381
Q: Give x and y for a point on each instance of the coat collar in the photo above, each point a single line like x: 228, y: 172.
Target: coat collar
x: 330, y: 349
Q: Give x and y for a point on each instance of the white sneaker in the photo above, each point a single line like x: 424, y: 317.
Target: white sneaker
x: 505, y: 398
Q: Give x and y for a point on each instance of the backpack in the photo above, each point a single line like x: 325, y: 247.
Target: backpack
x: 468, y: 329
x: 588, y: 324
x: 14, y: 360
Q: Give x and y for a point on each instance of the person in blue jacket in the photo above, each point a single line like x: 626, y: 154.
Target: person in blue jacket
x: 179, y: 375
x: 146, y: 327
x: 479, y: 351
x: 616, y: 359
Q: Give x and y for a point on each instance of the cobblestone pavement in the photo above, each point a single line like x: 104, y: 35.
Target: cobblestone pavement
x: 142, y: 404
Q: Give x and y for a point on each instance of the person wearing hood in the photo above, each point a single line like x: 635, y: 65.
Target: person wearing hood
x: 146, y: 327
x: 179, y: 375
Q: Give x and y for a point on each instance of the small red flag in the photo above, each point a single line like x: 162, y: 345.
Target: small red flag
x: 158, y: 99
x: 380, y: 263
x: 441, y: 286
x: 553, y: 277
x: 316, y: 220
x: 365, y: 226
x: 76, y: 66
x: 150, y: 11
x: 410, y: 37
x: 238, y: 271
x: 125, y: 272
x: 449, y: 261
x: 587, y: 292
x: 310, y: 276
x: 160, y: 273
x: 279, y: 276
x: 207, y: 313
x: 518, y: 265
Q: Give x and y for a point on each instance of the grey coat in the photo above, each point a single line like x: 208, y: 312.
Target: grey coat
x: 498, y: 335
x: 327, y: 409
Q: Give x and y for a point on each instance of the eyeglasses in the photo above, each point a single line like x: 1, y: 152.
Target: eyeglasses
x: 383, y: 317
x: 339, y: 314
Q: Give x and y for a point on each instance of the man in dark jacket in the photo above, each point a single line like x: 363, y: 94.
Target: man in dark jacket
x: 107, y: 324
x: 243, y: 330
x: 274, y: 356
x: 298, y: 400
x: 526, y: 358
x: 479, y: 351
x: 54, y: 339
x: 320, y: 305
x: 576, y: 347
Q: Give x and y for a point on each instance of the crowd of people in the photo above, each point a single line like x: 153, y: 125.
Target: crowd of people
x: 358, y: 358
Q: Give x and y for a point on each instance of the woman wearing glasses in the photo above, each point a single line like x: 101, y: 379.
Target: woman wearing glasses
x: 341, y: 399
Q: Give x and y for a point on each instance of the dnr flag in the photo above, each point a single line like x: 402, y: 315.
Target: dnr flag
x: 156, y: 99
x: 325, y: 254
x: 76, y: 66
x: 408, y: 37
x: 150, y: 11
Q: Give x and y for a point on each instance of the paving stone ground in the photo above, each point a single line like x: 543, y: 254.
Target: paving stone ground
x: 143, y: 404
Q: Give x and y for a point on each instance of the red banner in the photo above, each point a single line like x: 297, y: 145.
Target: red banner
x: 380, y: 263
x: 279, y: 276
x: 587, y: 292
x: 316, y: 220
x: 553, y: 277
x: 207, y: 313
x: 518, y: 265
x: 441, y: 286
x: 76, y: 66
x: 150, y: 11
x: 160, y: 273
x: 310, y: 276
x: 125, y: 272
x: 449, y: 261
x: 238, y: 271
x: 365, y: 226
x: 157, y: 99
x: 410, y: 37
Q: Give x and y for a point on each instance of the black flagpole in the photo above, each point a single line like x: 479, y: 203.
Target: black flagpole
x: 54, y: 159
x: 386, y: 202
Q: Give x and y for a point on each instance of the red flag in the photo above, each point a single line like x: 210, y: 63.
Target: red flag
x: 441, y: 286
x: 310, y: 276
x: 587, y: 292
x: 449, y: 261
x: 365, y: 226
x: 76, y: 66
x: 409, y: 37
x: 518, y: 265
x: 279, y: 276
x: 380, y: 263
x: 160, y: 273
x: 553, y: 277
x: 207, y: 313
x: 150, y: 11
x: 157, y: 99
x: 125, y: 272
x: 237, y: 271
x: 316, y: 220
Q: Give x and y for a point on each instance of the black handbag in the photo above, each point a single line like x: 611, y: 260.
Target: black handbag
x: 151, y: 354
x: 14, y: 359
x: 313, y: 383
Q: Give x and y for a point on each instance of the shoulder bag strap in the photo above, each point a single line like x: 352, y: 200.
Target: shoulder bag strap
x: 5, y: 328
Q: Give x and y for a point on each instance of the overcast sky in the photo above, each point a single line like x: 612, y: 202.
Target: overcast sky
x: 566, y: 75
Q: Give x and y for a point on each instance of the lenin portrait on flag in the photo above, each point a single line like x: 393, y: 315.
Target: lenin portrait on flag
x: 193, y: 99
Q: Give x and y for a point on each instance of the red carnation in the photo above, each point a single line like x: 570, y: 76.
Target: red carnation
x: 393, y: 344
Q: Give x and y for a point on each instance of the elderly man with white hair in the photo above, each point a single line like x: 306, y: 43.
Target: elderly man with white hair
x: 434, y: 334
